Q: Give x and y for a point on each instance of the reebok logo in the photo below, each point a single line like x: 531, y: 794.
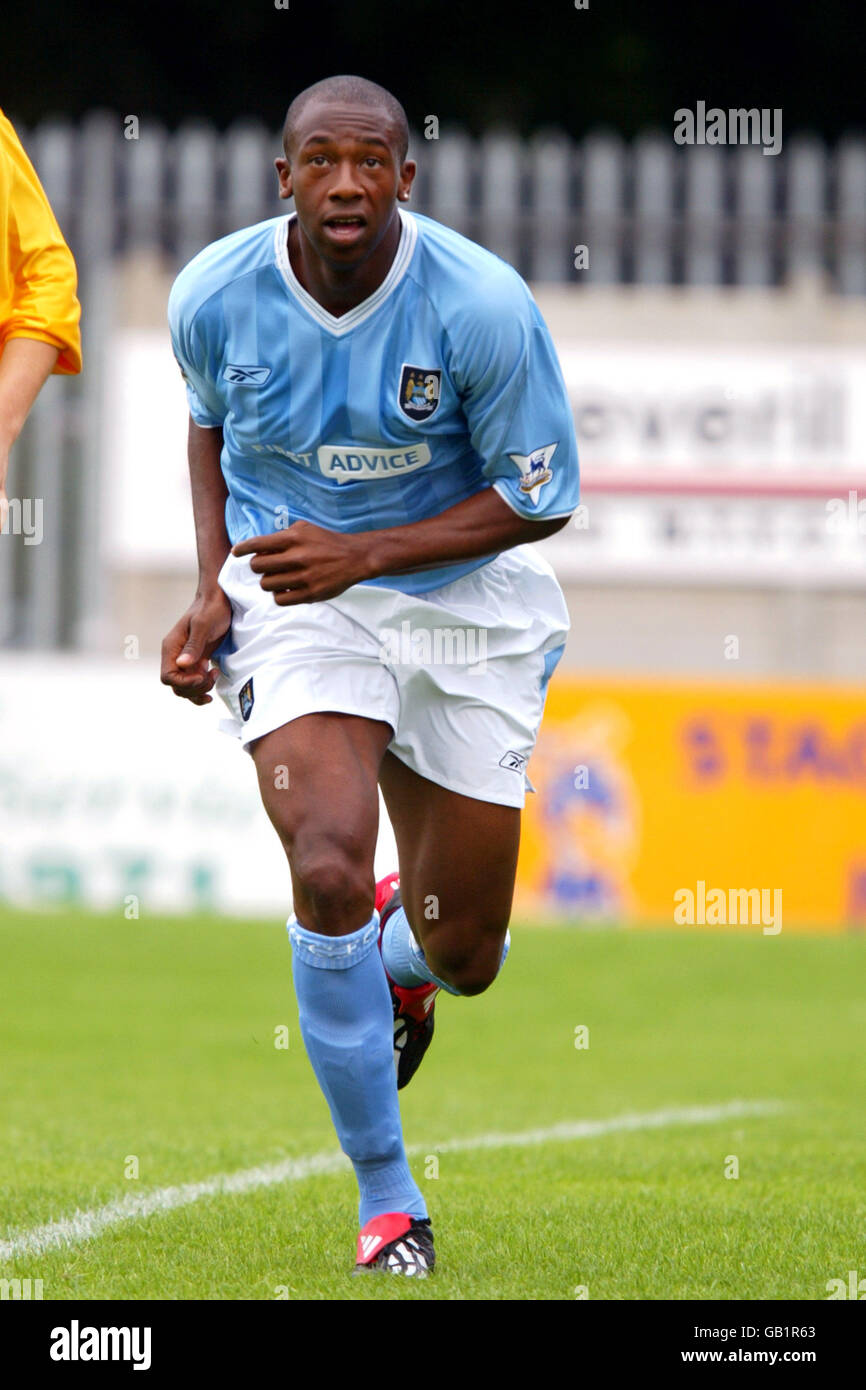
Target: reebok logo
x: 246, y: 376
x: 514, y: 762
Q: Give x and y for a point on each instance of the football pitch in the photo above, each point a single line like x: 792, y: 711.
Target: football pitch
x: 624, y: 1115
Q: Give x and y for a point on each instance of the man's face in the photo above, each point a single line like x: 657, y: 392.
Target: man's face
x: 344, y: 173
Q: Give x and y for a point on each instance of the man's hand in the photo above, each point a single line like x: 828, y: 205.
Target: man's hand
x: 305, y: 563
x: 187, y: 649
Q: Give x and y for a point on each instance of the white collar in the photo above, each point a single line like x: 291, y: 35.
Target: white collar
x: 344, y: 323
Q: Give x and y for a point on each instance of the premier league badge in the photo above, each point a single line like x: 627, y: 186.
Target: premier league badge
x: 419, y: 391
x: 535, y: 470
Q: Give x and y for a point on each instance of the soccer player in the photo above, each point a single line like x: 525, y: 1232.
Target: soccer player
x: 39, y: 310
x: 378, y: 427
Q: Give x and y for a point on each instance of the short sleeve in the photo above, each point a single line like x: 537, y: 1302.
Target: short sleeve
x: 38, y: 280
x: 515, y: 401
x: 187, y: 341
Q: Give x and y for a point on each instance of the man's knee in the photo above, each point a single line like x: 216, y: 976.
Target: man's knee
x: 333, y: 884
x: 470, y: 980
x: 468, y: 957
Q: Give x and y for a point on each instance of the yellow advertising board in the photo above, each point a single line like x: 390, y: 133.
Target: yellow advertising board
x: 692, y: 803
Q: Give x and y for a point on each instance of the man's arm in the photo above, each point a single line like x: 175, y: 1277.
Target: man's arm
x: 24, y: 367
x: 39, y: 331
x: 481, y: 525
x: 306, y: 563
x: 209, y: 493
x: 187, y: 649
x: 38, y: 292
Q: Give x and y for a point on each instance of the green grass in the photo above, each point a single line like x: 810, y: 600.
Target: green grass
x: 156, y: 1039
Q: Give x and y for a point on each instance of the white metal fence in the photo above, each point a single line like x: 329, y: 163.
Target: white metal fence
x: 649, y: 212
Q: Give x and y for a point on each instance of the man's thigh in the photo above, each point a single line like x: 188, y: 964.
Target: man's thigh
x: 473, y: 679
x: 318, y: 781
x: 458, y: 856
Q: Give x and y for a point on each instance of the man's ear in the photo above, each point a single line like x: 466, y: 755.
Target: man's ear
x: 407, y: 175
x: 284, y: 174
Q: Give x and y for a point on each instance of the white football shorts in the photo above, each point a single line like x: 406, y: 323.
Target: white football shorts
x: 460, y: 673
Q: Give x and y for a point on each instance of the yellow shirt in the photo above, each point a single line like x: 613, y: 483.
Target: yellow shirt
x: 37, y: 272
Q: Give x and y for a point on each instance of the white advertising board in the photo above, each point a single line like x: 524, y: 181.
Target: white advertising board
x: 147, y: 512
x: 761, y: 418
x: 118, y: 796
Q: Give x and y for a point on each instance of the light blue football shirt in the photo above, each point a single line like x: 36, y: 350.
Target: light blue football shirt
x: 440, y: 384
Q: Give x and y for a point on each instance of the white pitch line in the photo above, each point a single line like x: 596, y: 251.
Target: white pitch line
x: 589, y: 1129
x: 85, y: 1225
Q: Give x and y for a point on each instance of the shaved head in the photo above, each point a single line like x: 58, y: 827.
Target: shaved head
x: 356, y: 91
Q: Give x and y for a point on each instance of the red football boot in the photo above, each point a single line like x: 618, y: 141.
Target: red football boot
x: 398, y: 1243
x: 413, y: 1007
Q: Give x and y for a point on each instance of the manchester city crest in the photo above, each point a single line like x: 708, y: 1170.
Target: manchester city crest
x: 246, y: 700
x: 419, y: 391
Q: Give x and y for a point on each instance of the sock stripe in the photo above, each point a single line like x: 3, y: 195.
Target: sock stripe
x: 333, y: 952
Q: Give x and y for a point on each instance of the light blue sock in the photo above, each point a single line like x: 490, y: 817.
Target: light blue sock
x: 404, y: 960
x: 348, y: 1028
